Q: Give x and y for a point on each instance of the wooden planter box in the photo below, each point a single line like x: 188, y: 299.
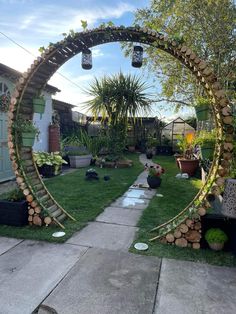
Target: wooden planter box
x: 13, y: 213
x: 80, y: 161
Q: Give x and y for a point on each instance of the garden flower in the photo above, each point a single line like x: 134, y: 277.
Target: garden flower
x: 154, y: 170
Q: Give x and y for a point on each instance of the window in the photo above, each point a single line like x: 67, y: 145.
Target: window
x: 5, y: 97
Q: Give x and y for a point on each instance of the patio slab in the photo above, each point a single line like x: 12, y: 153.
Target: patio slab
x: 30, y: 271
x: 131, y: 203
x: 7, y: 244
x: 120, y: 216
x: 140, y: 193
x: 194, y: 288
x: 105, y: 236
x: 142, y: 178
x: 106, y: 282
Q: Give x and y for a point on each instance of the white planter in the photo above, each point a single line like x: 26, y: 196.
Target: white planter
x: 229, y: 203
x: 80, y: 161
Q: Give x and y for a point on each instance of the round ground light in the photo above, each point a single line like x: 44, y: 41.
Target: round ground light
x: 44, y: 208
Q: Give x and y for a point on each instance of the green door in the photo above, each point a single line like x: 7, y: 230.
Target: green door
x: 6, y: 172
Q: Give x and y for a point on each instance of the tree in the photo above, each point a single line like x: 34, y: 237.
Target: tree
x: 206, y: 26
x: 118, y: 98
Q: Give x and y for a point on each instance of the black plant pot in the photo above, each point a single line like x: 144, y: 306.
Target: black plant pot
x: 149, y: 155
x: 93, y: 162
x: 46, y: 171
x: 153, y: 182
x: 13, y: 213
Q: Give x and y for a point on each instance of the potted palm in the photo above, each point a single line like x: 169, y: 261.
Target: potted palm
x: 216, y: 238
x: 188, y: 163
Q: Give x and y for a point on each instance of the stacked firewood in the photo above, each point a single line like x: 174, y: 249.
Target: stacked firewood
x: 187, y: 234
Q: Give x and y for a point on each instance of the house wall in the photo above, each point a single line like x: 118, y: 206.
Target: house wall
x: 43, y: 123
x: 6, y: 172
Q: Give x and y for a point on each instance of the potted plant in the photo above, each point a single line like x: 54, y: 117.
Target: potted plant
x: 79, y: 157
x: 154, y: 175
x: 188, y: 163
x: 13, y: 209
x: 26, y: 131
x: 151, y: 147
x: 39, y: 105
x: 49, y: 164
x: 202, y: 108
x: 216, y: 238
x: 206, y: 140
x: 131, y: 144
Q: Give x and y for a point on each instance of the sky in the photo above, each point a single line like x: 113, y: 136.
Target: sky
x: 33, y: 24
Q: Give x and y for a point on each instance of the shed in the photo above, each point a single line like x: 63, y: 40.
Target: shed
x: 174, y: 129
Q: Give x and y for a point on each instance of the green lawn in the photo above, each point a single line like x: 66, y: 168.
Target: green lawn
x: 177, y: 194
x: 84, y: 200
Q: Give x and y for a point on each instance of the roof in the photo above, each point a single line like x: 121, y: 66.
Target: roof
x: 62, y: 103
x: 14, y: 75
x: 177, y: 121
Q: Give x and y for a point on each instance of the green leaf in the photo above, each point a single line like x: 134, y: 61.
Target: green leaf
x: 84, y: 24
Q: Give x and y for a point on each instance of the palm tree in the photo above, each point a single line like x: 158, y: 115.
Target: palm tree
x: 118, y: 98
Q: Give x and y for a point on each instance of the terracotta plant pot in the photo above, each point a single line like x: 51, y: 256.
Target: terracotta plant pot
x: 131, y: 149
x: 188, y: 166
x: 177, y: 156
x: 216, y: 246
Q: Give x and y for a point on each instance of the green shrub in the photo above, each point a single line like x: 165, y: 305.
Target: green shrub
x: 216, y: 235
x: 13, y: 196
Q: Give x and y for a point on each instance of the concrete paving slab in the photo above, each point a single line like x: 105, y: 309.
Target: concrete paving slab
x: 195, y: 288
x: 142, y: 178
x: 120, y: 216
x: 7, y: 244
x: 105, y: 236
x: 131, y: 202
x: 30, y: 271
x: 140, y: 193
x: 107, y: 282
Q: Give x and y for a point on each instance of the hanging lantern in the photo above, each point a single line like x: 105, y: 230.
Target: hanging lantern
x: 86, y: 60
x: 137, y: 57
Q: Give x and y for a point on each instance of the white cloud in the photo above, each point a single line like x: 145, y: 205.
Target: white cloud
x: 17, y: 58
x: 53, y: 20
x: 69, y: 92
x: 96, y: 52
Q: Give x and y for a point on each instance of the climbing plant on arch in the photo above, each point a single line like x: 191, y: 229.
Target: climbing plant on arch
x: 44, y: 209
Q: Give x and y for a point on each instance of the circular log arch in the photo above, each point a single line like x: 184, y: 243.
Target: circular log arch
x: 34, y: 80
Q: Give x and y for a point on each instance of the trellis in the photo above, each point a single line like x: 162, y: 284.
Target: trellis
x: 44, y: 207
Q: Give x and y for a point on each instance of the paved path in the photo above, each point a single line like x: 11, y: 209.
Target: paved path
x: 93, y: 273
